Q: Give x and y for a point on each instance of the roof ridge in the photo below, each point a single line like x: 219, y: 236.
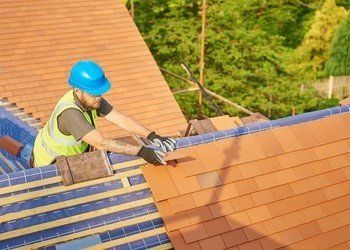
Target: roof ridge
x: 261, y: 126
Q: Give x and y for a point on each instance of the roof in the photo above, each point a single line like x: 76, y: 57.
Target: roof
x: 12, y: 126
x: 263, y: 187
x: 36, y: 211
x: 40, y: 42
x: 281, y: 185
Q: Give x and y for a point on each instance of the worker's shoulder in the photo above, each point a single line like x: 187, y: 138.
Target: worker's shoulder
x: 71, y: 113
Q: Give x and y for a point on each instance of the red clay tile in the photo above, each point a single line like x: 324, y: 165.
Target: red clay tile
x: 172, y: 221
x: 226, y: 192
x: 324, y: 151
x: 343, y: 217
x: 297, y: 158
x: 158, y: 178
x: 246, y: 186
x: 328, y: 223
x: 250, y: 169
x: 271, y: 242
x: 323, y: 130
x: 266, y: 181
x: 223, y: 122
x: 182, y: 203
x: 278, y: 208
x: 234, y: 238
x: 275, y: 225
x: 194, y: 233
x: 212, y: 243
x: 262, y: 197
x: 251, y: 149
x: 303, y: 171
x: 282, y: 192
x: 294, y: 219
x: 242, y: 203
x: 10, y: 145
x: 287, y: 139
x: 310, y: 229
x: 269, y: 165
x: 301, y: 186
x: 305, y: 244
x: 231, y: 151
x: 305, y: 136
x: 221, y: 209
x: 268, y: 143
x: 342, y: 120
x: 255, y: 231
x: 342, y: 234
x: 335, y: 206
x: 258, y: 214
x: 179, y: 242
x: 313, y: 213
x: 255, y: 244
x: 217, y: 226
x: 184, y: 185
x: 204, y: 197
x: 315, y: 197
x: 347, y: 172
x: 345, y: 187
x: 338, y: 161
x: 318, y: 181
x: 208, y: 180
x: 230, y: 174
x: 285, y: 176
x: 291, y: 236
x: 238, y: 220
x: 210, y: 157
x: 320, y: 167
x: 341, y: 147
x: 333, y: 192
x: 325, y: 241
x: 199, y: 214
x: 335, y: 176
x: 191, y: 165
x: 296, y: 203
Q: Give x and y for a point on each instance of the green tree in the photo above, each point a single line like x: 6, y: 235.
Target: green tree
x: 249, y: 49
x: 339, y: 60
x: 314, y: 51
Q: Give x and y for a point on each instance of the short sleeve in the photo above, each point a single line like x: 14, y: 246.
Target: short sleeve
x: 104, y: 109
x: 72, y: 122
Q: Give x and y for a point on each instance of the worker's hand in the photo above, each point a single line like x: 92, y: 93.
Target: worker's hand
x: 152, y: 156
x: 167, y: 144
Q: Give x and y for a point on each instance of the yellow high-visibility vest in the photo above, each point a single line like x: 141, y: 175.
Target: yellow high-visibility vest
x: 51, y: 143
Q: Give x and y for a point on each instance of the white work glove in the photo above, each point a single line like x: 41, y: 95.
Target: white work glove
x: 166, y: 144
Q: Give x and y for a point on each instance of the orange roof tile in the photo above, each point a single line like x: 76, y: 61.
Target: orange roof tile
x: 40, y: 42
x: 259, y: 192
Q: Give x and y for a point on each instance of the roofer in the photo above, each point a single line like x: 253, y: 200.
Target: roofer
x: 71, y: 129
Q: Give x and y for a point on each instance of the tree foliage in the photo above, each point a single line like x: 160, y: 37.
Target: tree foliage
x: 250, y: 48
x: 314, y: 50
x: 339, y: 61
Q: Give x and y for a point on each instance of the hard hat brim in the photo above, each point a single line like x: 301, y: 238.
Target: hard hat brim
x: 104, y: 88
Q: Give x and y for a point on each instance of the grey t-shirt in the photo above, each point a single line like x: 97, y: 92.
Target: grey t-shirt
x: 73, y: 122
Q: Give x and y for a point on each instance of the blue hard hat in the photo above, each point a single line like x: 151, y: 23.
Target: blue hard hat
x: 89, y: 77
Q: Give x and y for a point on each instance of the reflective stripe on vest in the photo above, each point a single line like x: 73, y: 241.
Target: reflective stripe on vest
x: 51, y: 142
x: 51, y: 129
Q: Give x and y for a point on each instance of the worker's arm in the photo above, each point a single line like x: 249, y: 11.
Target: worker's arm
x: 95, y: 139
x: 132, y: 126
x: 127, y: 123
